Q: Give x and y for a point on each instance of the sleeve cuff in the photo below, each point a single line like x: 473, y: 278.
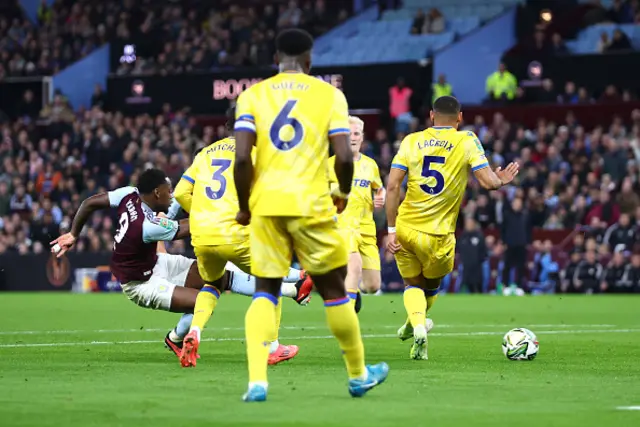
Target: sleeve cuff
x: 188, y: 178
x: 244, y: 125
x: 480, y: 166
x: 338, y: 131
x: 399, y: 166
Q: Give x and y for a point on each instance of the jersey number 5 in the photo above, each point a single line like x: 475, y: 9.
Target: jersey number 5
x: 427, y: 172
x: 221, y: 165
x: 283, y: 119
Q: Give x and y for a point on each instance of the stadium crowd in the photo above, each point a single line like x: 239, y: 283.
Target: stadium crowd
x: 570, y: 178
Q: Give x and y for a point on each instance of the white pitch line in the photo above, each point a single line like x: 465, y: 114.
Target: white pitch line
x: 628, y: 408
x: 293, y: 328
x: 319, y: 337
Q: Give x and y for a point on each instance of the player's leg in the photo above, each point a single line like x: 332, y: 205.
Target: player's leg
x: 271, y: 249
x: 297, y: 285
x: 211, y: 269
x: 184, y: 272
x: 241, y: 260
x: 370, y: 254
x: 354, y: 269
x: 321, y: 251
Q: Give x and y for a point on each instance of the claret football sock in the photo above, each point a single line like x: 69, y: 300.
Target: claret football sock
x: 344, y: 325
x: 260, y: 328
x: 415, y: 303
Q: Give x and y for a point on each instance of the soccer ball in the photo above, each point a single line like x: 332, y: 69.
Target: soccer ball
x: 520, y: 344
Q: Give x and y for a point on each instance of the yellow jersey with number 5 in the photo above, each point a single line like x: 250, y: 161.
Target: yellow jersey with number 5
x: 437, y: 161
x: 293, y: 115
x: 366, y: 179
x: 214, y: 202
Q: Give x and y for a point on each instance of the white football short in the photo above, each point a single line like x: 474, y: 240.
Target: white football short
x: 170, y: 271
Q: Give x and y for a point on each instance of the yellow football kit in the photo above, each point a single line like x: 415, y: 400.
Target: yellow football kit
x: 357, y: 219
x: 207, y: 191
x: 437, y: 161
x: 293, y: 115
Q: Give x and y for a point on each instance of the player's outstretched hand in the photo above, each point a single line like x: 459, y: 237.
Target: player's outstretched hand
x: 507, y: 174
x: 379, y: 198
x: 243, y: 218
x: 62, y: 244
x: 392, y: 244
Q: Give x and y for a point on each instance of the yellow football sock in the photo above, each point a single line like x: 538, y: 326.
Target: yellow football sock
x: 344, y: 325
x: 431, y: 300
x: 416, y: 305
x: 205, y: 304
x: 259, y: 324
x: 278, y: 319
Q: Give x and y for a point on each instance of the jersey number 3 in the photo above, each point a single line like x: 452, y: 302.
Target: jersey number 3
x: 221, y: 165
x: 427, y: 172
x: 283, y: 119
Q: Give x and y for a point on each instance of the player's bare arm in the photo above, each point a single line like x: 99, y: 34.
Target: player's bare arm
x: 490, y: 180
x: 343, y: 168
x: 94, y: 203
x: 243, y: 173
x: 183, y: 231
x: 396, y: 177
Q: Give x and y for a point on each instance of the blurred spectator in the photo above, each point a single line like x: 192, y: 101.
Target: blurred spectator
x: 603, y: 209
x: 98, y: 98
x: 628, y: 198
x: 567, y: 274
x: 400, y: 105
x: 545, y: 270
x: 584, y: 97
x: 569, y: 96
x: 557, y: 45
x: 435, y: 22
x: 546, y: 93
x: 586, y: 278
x: 610, y: 94
x: 621, y: 236
x: 28, y: 107
x: 473, y: 253
x: 501, y: 85
x: 603, y: 43
x: 613, y: 275
x: 619, y: 42
x: 621, y: 12
x: 631, y: 279
x: 516, y: 233
x: 441, y: 88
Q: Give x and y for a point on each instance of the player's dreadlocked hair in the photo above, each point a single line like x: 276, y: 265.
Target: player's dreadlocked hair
x: 294, y: 42
x: 151, y: 179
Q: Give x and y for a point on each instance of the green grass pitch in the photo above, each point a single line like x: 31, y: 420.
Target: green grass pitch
x: 98, y: 360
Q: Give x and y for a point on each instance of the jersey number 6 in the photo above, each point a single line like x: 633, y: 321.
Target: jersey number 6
x: 221, y: 165
x: 427, y: 172
x: 283, y: 119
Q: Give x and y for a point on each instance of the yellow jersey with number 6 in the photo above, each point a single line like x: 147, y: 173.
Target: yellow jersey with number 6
x: 214, y: 203
x: 437, y: 161
x: 366, y: 179
x: 293, y: 115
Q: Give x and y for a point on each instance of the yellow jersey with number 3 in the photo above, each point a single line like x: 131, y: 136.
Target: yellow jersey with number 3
x: 366, y: 179
x: 214, y: 203
x: 437, y: 161
x: 293, y: 115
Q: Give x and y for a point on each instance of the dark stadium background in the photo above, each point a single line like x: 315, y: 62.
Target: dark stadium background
x: 91, y: 93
